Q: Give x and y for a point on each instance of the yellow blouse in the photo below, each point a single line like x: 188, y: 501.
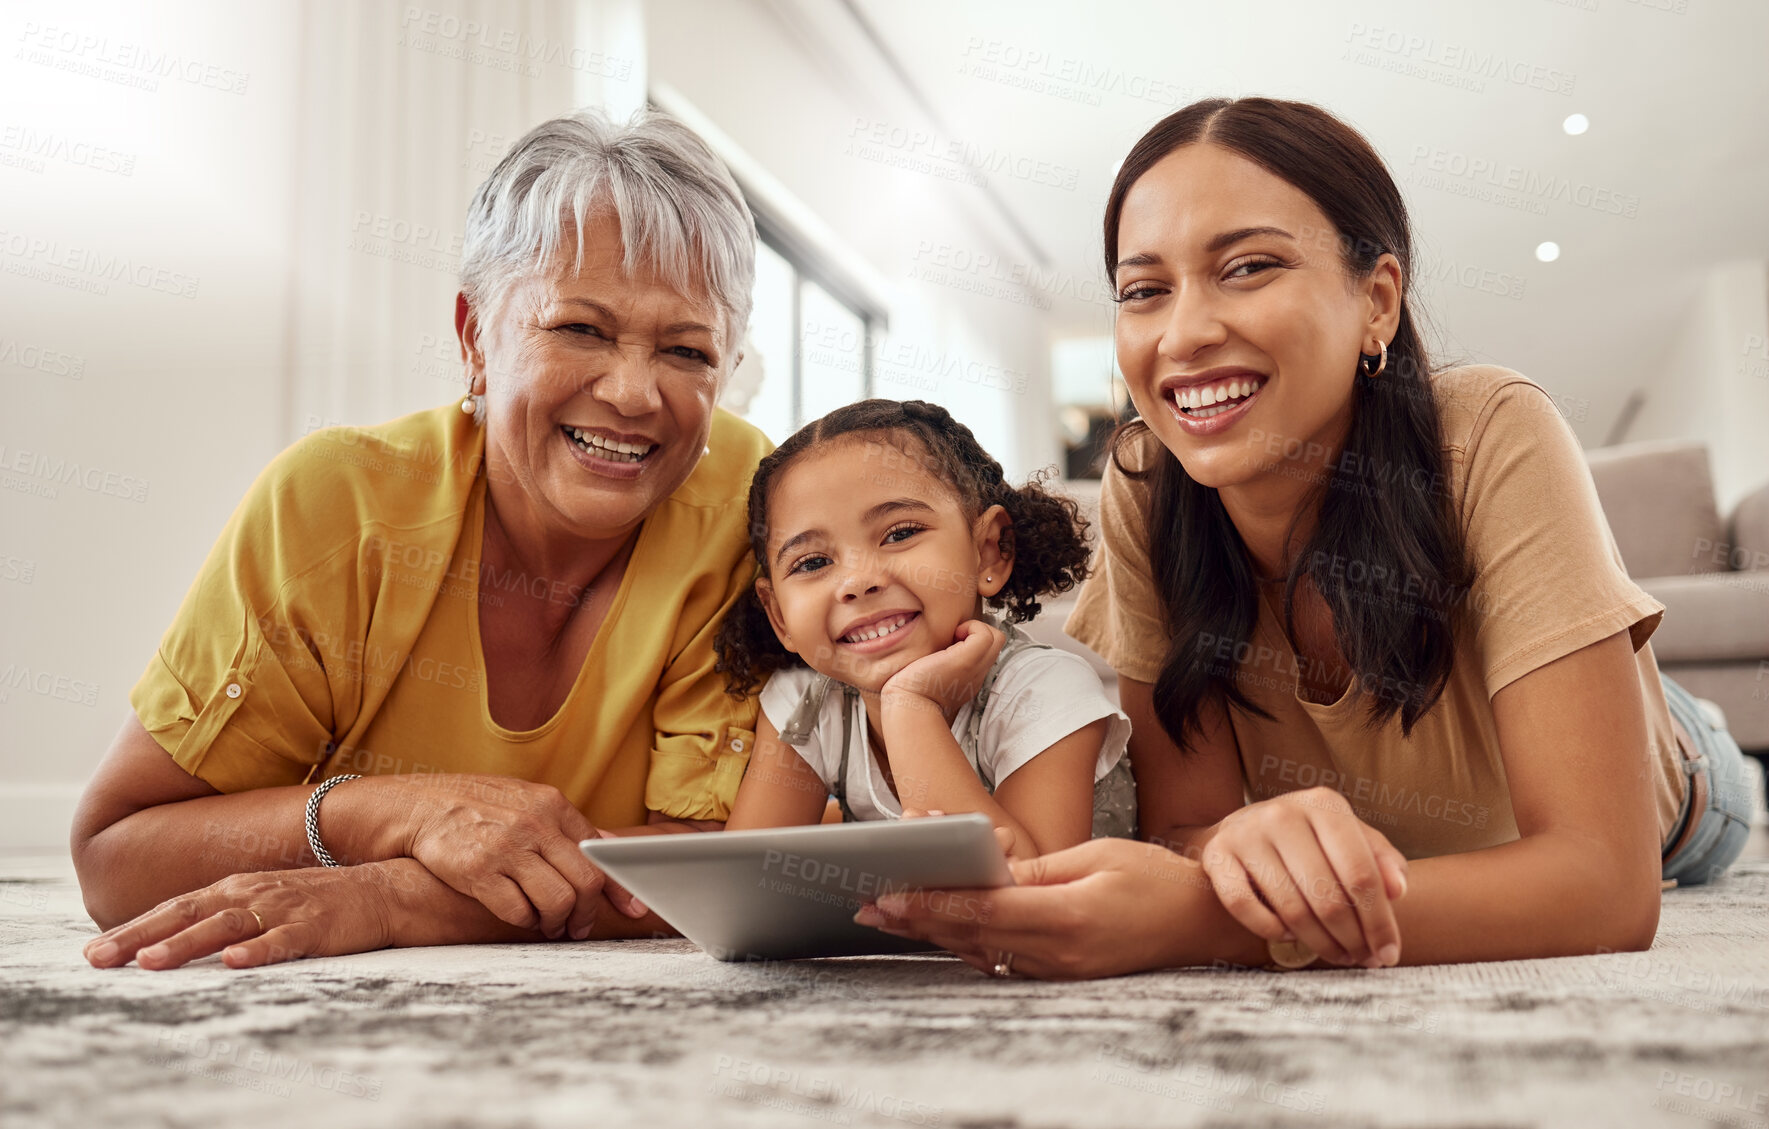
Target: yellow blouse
x: 334, y: 628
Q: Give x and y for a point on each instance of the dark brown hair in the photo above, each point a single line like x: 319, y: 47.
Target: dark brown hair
x: 1400, y: 648
x: 1047, y: 535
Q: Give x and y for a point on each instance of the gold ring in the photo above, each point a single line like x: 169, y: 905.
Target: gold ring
x: 1290, y: 954
x: 1003, y: 967
x: 256, y: 918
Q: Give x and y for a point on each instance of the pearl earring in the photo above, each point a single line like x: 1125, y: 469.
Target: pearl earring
x: 467, y: 405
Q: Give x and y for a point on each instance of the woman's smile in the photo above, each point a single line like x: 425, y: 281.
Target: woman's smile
x: 1213, y: 402
x: 605, y: 453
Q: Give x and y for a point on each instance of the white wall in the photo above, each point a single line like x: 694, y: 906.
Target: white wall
x: 144, y: 291
x: 1712, y: 383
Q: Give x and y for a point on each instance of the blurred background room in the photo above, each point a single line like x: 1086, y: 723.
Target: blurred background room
x: 225, y: 225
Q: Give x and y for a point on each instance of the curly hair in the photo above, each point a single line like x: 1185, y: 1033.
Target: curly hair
x: 1046, y: 538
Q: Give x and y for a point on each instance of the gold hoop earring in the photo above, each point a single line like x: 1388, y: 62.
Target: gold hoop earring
x: 1363, y: 361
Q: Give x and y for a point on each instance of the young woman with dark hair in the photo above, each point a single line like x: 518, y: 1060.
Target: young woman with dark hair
x: 1364, y: 612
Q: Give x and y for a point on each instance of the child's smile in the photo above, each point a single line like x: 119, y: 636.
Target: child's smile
x: 877, y: 633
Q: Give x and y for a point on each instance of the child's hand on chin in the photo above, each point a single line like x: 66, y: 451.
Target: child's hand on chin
x: 947, y: 678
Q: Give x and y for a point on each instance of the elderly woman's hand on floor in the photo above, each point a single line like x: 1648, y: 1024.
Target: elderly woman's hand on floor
x: 283, y: 915
x: 266, y: 918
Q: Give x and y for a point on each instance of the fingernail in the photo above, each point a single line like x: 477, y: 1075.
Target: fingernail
x: 893, y: 905
x: 580, y: 932
x: 935, y: 811
x: 640, y: 909
x: 104, y: 952
x: 152, y: 952
x: 869, y: 915
x: 1390, y: 955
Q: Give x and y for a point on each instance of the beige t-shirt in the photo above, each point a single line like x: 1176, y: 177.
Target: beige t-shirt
x: 1548, y: 581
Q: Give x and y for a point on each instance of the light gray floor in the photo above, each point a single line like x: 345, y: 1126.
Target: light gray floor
x: 654, y: 1033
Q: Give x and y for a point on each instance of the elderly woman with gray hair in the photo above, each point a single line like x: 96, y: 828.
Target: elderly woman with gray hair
x: 477, y: 633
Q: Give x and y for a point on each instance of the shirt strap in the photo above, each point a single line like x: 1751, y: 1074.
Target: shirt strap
x: 850, y: 699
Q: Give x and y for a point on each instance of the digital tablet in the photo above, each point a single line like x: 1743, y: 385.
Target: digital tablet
x: 791, y: 892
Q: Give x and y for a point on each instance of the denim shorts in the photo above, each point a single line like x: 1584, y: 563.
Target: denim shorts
x: 1725, y: 824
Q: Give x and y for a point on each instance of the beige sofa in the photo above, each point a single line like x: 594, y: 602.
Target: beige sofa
x: 1711, y: 574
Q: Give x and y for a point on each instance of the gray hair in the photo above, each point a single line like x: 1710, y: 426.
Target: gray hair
x: 680, y: 213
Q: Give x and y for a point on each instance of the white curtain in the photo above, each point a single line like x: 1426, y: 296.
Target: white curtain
x: 404, y: 109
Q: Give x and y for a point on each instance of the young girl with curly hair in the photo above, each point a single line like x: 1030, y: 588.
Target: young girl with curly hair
x: 883, y: 531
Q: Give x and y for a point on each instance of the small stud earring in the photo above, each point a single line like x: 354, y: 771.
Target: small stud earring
x: 705, y: 451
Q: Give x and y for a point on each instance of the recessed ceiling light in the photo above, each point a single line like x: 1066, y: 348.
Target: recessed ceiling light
x: 1576, y: 124
x: 1547, y: 252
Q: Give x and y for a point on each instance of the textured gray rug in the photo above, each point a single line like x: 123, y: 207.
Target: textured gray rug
x: 654, y: 1033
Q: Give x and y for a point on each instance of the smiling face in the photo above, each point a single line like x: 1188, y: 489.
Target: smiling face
x: 599, y: 389
x: 1239, y: 329
x: 872, y: 561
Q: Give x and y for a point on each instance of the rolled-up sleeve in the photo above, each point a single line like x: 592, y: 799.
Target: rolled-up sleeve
x: 234, y: 694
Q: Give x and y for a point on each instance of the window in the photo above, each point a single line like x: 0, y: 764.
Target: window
x: 770, y: 340
x: 810, y: 340
x: 833, y: 351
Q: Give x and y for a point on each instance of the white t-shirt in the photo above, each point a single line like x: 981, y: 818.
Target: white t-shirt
x: 1040, y: 696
